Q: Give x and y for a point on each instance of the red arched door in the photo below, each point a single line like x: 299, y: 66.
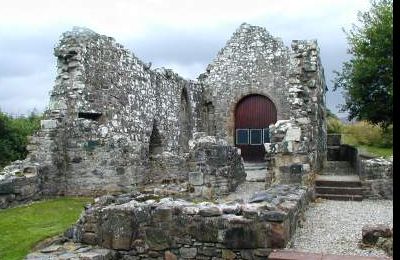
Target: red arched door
x: 253, y: 115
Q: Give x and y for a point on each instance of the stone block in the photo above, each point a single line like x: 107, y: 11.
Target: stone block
x: 333, y: 139
x: 241, y: 237
x: 157, y: 238
x: 188, y: 252
x: 48, y: 124
x: 273, y: 216
x: 196, y: 178
x: 293, y: 134
x: 162, y: 214
x: 279, y: 235
x: 6, y: 187
x: 228, y: 254
x: 371, y: 233
x: 117, y: 228
x: 168, y: 255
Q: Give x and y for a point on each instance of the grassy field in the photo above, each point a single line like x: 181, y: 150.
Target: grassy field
x: 23, y: 227
x: 367, y: 149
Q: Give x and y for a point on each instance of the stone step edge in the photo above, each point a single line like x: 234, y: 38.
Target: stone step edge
x: 340, y: 190
x: 339, y: 197
x: 327, y: 183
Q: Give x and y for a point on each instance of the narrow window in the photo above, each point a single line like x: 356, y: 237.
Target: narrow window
x: 242, y: 136
x: 155, y: 144
x: 89, y: 115
x: 256, y: 136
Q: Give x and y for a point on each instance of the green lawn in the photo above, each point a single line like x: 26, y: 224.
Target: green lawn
x: 23, y: 227
x: 375, y: 151
x: 367, y: 149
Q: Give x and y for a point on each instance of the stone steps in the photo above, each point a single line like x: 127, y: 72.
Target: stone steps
x: 345, y: 197
x: 339, y: 190
x: 254, y: 166
x: 338, y: 168
x: 336, y: 187
x: 295, y: 255
x: 337, y: 181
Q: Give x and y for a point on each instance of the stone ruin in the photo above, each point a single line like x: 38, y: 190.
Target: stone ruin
x: 116, y: 126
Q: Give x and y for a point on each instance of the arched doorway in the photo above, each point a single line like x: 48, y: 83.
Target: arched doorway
x: 253, y: 115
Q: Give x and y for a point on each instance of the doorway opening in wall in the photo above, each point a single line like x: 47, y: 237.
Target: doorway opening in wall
x: 253, y: 115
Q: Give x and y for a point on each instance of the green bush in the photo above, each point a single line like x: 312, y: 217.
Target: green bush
x: 334, y: 126
x: 14, y: 134
x: 364, y: 133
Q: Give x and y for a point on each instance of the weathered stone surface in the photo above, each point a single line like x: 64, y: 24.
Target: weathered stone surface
x: 187, y: 228
x: 210, y: 211
x: 115, y: 124
x: 169, y: 256
x: 188, y: 253
x: 48, y: 124
x: 377, y: 177
x: 196, y: 178
x: 228, y: 254
x: 262, y: 196
x: 371, y: 233
x: 274, y: 216
x: 69, y: 250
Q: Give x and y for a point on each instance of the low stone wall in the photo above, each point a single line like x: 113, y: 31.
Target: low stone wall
x: 377, y: 178
x: 18, y: 184
x: 143, y: 226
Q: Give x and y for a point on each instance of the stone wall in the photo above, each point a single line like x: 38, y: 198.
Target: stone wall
x: 298, y: 145
x: 113, y: 124
x: 252, y: 62
x: 376, y: 176
x: 141, y: 225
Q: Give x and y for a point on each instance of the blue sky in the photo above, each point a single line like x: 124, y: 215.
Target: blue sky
x: 184, y: 35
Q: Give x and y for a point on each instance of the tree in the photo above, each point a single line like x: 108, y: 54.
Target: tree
x: 367, y: 78
x: 14, y: 134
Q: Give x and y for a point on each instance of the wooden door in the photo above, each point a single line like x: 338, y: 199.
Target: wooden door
x: 253, y: 115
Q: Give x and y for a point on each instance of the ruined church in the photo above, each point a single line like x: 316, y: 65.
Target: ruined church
x: 114, y: 124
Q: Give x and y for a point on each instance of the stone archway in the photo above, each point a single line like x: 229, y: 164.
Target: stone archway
x: 253, y: 115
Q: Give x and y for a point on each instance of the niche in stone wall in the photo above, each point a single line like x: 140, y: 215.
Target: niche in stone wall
x: 95, y: 116
x: 208, y: 118
x: 184, y: 122
x: 155, y: 144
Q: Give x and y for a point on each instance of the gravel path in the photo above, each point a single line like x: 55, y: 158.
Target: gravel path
x: 334, y: 227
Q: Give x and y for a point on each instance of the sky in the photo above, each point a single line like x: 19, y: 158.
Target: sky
x: 184, y: 35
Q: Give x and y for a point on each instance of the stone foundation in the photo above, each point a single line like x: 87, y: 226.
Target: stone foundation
x: 18, y: 184
x: 143, y: 225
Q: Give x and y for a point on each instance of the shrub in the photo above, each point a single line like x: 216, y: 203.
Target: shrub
x: 14, y: 134
x: 364, y: 133
x: 334, y: 126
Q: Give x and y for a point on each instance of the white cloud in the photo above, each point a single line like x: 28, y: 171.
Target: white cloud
x: 154, y: 30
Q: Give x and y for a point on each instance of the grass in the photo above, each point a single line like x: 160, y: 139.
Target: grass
x: 367, y: 149
x: 21, y: 228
